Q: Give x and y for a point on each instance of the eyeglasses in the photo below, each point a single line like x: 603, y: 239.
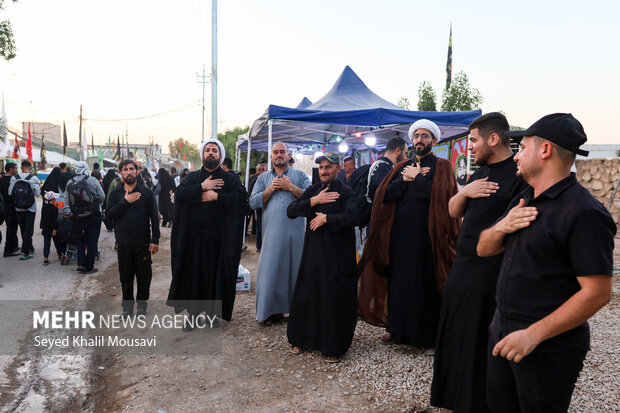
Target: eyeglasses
x: 421, y: 136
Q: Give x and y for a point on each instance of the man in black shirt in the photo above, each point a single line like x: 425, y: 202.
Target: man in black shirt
x: 556, y: 273
x: 133, y: 208
x: 459, y: 374
x: 11, y: 243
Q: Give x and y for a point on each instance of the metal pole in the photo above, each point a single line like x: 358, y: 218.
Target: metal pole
x: 214, y: 70
x: 81, y: 152
x: 269, y: 136
x: 247, y: 167
x: 203, y: 103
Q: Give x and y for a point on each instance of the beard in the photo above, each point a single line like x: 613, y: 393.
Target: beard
x: 424, y: 150
x: 327, y: 179
x: 130, y: 179
x: 482, y: 156
x: 210, y: 163
x: 280, y: 162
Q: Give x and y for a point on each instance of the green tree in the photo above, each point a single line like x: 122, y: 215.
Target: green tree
x: 7, y: 44
x: 403, y: 102
x: 427, y: 98
x: 183, y: 150
x: 229, y: 139
x: 460, y: 95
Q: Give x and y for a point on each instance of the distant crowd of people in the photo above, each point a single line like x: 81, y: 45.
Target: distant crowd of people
x: 496, y: 280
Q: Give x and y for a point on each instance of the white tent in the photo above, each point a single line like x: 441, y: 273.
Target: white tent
x: 53, y: 158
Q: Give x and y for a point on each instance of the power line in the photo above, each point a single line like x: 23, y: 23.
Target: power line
x: 179, y: 109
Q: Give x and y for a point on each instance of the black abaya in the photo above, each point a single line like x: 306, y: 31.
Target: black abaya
x: 206, y: 243
x: 459, y: 380
x: 323, y: 312
x: 165, y: 204
x: 413, y: 301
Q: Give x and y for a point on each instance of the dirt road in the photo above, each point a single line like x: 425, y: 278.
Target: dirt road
x: 254, y: 372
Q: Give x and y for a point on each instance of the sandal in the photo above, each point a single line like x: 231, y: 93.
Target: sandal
x: 332, y: 359
x: 296, y: 350
x: 273, y: 319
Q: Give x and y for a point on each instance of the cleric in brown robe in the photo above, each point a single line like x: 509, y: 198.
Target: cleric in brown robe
x: 412, y: 242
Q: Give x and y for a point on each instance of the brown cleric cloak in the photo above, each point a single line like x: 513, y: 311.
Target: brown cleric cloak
x: 443, y: 231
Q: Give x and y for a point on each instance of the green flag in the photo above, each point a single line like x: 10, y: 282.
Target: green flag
x: 449, y: 62
x: 100, y: 156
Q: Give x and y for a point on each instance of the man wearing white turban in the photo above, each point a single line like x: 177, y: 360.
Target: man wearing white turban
x: 420, y: 243
x: 210, y: 206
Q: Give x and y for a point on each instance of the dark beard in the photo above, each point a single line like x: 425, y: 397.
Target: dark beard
x: 424, y: 151
x: 210, y: 163
x: 130, y: 179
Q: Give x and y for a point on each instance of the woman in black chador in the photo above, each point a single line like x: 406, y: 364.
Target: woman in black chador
x: 165, y: 187
x: 49, y: 215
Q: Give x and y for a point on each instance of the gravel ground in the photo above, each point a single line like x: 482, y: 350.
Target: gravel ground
x: 257, y: 371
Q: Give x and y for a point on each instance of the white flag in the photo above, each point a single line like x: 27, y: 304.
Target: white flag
x: 4, y: 126
x: 84, y: 146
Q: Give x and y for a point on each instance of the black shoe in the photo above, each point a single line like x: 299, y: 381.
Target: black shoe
x: 127, y: 314
x: 142, y: 312
x: 91, y: 271
x: 11, y: 254
x: 80, y: 269
x: 187, y: 326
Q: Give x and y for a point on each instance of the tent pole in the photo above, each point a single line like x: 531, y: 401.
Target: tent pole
x: 247, y: 167
x: 269, y: 137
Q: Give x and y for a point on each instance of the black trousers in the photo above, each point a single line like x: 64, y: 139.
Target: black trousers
x: 541, y: 382
x: 11, y: 243
x: 87, y: 230
x: 135, y: 262
x: 25, y: 221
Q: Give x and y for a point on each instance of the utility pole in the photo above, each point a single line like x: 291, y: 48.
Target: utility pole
x: 80, y: 133
x: 214, y: 70
x: 203, y: 79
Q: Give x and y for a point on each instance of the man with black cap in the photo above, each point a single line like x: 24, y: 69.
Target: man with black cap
x: 323, y: 311
x: 556, y: 272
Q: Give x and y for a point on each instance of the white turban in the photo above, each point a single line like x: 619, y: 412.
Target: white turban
x: 81, y: 168
x: 425, y: 124
x: 218, y: 143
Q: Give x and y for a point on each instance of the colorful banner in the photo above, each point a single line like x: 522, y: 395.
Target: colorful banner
x: 459, y: 161
x: 442, y: 151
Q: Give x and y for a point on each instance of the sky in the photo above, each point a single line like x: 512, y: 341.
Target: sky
x: 128, y: 59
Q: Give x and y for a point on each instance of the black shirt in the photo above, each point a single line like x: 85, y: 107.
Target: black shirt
x: 572, y: 236
x: 481, y: 213
x: 377, y: 173
x: 5, y: 182
x: 133, y: 222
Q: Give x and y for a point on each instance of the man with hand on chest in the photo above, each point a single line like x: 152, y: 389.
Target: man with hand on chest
x: 323, y: 313
x: 133, y: 208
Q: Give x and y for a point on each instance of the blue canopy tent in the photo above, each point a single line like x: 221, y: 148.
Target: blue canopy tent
x: 350, y: 112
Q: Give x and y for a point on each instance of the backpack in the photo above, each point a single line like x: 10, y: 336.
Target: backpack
x: 23, y: 195
x: 358, y: 181
x: 81, y: 198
